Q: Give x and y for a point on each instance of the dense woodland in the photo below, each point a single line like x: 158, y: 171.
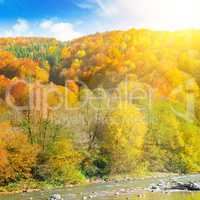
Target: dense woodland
x: 123, y: 110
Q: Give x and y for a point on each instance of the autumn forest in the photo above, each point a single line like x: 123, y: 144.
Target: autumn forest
x: 120, y: 102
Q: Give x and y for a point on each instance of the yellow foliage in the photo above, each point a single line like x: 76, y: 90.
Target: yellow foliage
x: 42, y: 75
x: 64, y: 162
x: 65, y: 53
x: 18, y: 157
x: 81, y: 54
x: 124, y: 137
x: 52, y: 49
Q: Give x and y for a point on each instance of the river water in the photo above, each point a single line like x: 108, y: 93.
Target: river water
x: 124, y: 190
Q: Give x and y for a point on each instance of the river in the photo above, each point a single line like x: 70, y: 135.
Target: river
x: 124, y: 190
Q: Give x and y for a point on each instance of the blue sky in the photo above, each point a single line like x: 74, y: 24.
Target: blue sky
x: 68, y: 19
x: 37, y: 9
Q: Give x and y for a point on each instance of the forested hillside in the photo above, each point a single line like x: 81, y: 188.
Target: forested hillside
x: 111, y: 103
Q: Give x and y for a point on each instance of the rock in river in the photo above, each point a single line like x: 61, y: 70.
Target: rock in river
x: 187, y: 186
x: 55, y: 197
x: 190, y: 186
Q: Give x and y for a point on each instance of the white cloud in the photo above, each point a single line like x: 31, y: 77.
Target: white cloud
x: 62, y: 31
x: 88, y: 4
x: 21, y: 26
x: 156, y: 14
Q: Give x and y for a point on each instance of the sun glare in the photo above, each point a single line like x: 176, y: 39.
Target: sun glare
x: 174, y: 14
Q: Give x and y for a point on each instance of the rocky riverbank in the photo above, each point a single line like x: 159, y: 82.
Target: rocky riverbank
x: 159, y: 183
x: 124, y: 187
x: 32, y: 185
x: 164, y: 186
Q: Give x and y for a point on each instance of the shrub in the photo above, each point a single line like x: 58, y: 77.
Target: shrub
x: 17, y: 156
x: 60, y: 164
x: 96, y: 165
